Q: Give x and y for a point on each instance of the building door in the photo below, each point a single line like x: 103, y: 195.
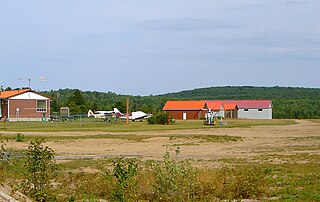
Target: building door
x: 17, y: 112
x: 184, y: 116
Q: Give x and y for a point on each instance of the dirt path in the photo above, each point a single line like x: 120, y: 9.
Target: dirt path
x: 256, y: 141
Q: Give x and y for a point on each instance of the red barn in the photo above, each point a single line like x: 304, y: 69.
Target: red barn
x: 24, y: 105
x: 186, y: 109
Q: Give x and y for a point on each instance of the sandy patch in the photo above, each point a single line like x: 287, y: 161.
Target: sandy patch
x: 256, y: 140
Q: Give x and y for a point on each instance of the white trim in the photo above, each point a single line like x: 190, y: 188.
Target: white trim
x: 29, y: 96
x: 8, y: 109
x: 46, y: 109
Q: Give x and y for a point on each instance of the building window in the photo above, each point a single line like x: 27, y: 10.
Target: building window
x: 246, y: 110
x: 41, y: 105
x: 260, y: 110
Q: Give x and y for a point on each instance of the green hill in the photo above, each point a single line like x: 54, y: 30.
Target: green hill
x: 247, y: 92
x: 288, y: 102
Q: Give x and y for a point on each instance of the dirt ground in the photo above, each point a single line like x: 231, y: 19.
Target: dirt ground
x: 303, y: 137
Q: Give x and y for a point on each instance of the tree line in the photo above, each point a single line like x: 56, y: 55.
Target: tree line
x: 288, y: 102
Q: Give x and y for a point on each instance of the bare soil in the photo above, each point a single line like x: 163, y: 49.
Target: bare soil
x: 258, y: 140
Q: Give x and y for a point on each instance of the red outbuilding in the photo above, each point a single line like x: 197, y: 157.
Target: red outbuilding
x: 186, y: 109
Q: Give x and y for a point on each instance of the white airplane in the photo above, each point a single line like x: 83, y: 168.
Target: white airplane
x: 104, y: 114
x: 133, y: 115
x: 116, y: 113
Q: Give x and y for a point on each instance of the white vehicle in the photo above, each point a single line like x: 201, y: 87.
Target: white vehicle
x: 104, y: 114
x: 116, y: 113
x: 133, y: 115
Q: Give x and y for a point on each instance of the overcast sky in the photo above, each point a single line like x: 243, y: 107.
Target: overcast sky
x: 148, y: 47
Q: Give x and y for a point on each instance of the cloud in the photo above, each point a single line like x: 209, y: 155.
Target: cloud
x: 296, y: 2
x: 185, y: 24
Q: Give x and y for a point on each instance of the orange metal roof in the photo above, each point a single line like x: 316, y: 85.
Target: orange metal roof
x: 248, y: 104
x: 230, y: 106
x: 184, y: 105
x: 11, y: 93
x: 214, y: 105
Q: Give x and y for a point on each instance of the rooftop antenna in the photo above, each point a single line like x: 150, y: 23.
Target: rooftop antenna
x: 29, y: 79
x: 1, y: 89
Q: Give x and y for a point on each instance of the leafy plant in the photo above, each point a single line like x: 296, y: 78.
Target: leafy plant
x: 173, y: 181
x: 3, y: 158
x: 40, y: 170
x: 161, y: 118
x: 124, y: 170
x: 19, y: 137
x: 2, y: 150
x: 243, y: 182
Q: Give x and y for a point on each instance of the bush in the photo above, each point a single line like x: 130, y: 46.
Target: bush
x: 3, y: 158
x: 19, y: 137
x: 124, y: 170
x: 227, y: 183
x: 40, y: 169
x: 173, y: 181
x: 161, y: 118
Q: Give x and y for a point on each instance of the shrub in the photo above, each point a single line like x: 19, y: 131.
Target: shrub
x: 161, y: 118
x: 124, y: 170
x: 2, y: 150
x: 3, y: 158
x: 19, y: 137
x: 78, y: 186
x: 173, y: 181
x: 40, y: 169
x: 243, y: 182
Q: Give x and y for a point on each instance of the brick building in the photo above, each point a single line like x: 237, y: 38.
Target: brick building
x: 24, y: 105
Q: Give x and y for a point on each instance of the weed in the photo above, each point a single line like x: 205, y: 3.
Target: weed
x: 124, y: 170
x: 208, y: 138
x: 3, y: 158
x: 173, y: 181
x: 40, y: 167
x: 19, y: 137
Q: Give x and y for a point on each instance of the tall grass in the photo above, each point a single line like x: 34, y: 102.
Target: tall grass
x: 172, y: 180
x: 166, y: 180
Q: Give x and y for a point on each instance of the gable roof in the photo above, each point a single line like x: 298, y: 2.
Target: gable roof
x: 214, y: 105
x: 185, y: 105
x: 249, y: 104
x: 230, y: 106
x: 12, y: 93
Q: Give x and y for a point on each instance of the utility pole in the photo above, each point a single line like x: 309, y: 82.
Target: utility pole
x: 127, y: 111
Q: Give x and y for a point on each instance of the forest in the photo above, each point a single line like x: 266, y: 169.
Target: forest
x: 288, y: 102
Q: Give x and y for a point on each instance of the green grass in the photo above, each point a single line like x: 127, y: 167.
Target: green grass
x: 305, y: 138
x: 130, y: 137
x: 85, y: 178
x: 315, y: 120
x: 208, y: 138
x: 28, y: 138
x: 85, y: 125
x: 291, y: 177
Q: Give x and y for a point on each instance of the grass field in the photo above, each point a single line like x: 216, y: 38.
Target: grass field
x: 94, y: 125
x: 273, y: 160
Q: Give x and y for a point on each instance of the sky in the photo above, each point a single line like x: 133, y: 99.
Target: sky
x: 150, y: 47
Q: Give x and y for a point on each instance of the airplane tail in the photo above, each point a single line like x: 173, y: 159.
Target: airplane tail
x: 117, y: 112
x: 90, y: 113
